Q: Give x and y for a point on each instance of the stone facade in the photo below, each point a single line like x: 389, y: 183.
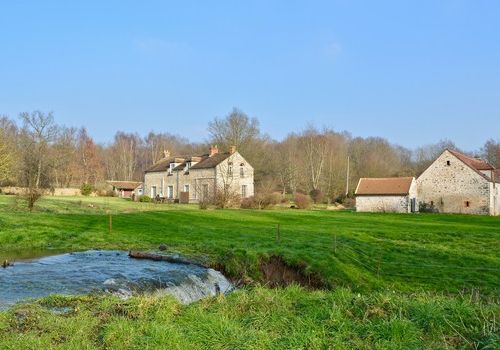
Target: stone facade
x: 234, y: 173
x: 452, y: 186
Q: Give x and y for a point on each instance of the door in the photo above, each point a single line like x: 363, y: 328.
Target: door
x: 413, y: 204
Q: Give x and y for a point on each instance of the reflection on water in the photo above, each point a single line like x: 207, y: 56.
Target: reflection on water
x: 27, y: 254
x: 106, y: 271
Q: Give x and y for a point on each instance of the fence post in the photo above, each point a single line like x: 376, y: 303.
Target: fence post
x: 378, y: 267
x: 110, y: 223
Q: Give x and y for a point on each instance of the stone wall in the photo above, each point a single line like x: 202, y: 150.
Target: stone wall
x: 454, y: 187
x: 55, y: 192
x: 383, y: 204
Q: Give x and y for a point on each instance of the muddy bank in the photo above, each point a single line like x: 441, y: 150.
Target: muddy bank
x: 277, y: 273
x: 272, y: 272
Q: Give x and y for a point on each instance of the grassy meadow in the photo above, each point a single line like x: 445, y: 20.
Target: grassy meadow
x: 390, y: 280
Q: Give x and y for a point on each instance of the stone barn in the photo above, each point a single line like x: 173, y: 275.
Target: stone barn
x: 393, y: 194
x: 457, y: 183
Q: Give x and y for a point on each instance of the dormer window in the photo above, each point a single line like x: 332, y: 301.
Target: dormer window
x: 188, y: 166
x: 448, y: 163
x: 171, y: 168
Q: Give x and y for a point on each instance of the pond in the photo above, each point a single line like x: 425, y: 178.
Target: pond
x: 106, y: 271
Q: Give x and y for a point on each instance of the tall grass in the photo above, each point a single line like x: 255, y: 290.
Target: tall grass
x: 259, y: 318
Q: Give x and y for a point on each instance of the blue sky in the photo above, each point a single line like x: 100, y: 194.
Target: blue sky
x: 414, y: 72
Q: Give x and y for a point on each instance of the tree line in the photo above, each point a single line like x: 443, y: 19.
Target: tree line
x: 36, y: 152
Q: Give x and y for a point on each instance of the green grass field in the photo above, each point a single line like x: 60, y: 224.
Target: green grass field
x: 391, y: 281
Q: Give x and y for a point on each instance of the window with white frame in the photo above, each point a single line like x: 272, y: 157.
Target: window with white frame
x: 186, y: 188
x: 170, y: 192
x: 244, y: 191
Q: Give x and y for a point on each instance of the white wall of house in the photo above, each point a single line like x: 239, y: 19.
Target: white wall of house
x: 494, y: 198
x: 383, y: 204
x: 454, y: 187
x: 240, y: 175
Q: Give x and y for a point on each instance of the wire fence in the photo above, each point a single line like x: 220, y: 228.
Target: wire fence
x: 379, y: 258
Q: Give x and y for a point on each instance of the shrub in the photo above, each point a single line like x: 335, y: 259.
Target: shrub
x: 203, y: 204
x: 316, y: 195
x: 424, y: 207
x: 248, y: 203
x: 144, y: 199
x: 270, y: 199
x: 86, y: 189
x: 349, y: 202
x: 302, y: 201
x: 261, y: 201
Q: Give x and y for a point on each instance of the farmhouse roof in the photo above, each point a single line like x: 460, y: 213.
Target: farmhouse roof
x: 211, y: 162
x: 384, y: 186
x: 125, y: 185
x: 475, y: 164
x: 203, y: 162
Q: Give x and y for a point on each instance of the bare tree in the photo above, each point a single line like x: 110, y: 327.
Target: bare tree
x: 6, y: 157
x: 491, y: 152
x: 315, y: 146
x: 63, y: 153
x: 236, y: 129
x: 35, y: 140
x: 89, y: 159
x: 123, y: 156
x: 226, y: 194
x: 39, y: 130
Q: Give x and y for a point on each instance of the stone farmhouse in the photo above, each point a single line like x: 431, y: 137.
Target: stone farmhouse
x: 193, y: 178
x: 394, y: 194
x: 456, y: 183
x: 453, y: 183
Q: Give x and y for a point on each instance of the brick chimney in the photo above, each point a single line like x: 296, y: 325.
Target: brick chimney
x: 232, y: 149
x: 166, y: 153
x: 213, y: 151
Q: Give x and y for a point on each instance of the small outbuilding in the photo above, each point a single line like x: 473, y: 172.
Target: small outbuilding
x: 391, y: 194
x: 126, y: 189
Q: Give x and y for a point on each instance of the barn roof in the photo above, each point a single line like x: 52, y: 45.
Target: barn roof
x: 384, y: 186
x: 475, y: 164
x: 125, y: 185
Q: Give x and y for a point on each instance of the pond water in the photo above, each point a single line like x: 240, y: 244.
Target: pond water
x: 106, y: 271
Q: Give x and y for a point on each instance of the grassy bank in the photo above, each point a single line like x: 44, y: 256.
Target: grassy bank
x: 260, y: 318
x: 361, y: 251
x: 395, y: 281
